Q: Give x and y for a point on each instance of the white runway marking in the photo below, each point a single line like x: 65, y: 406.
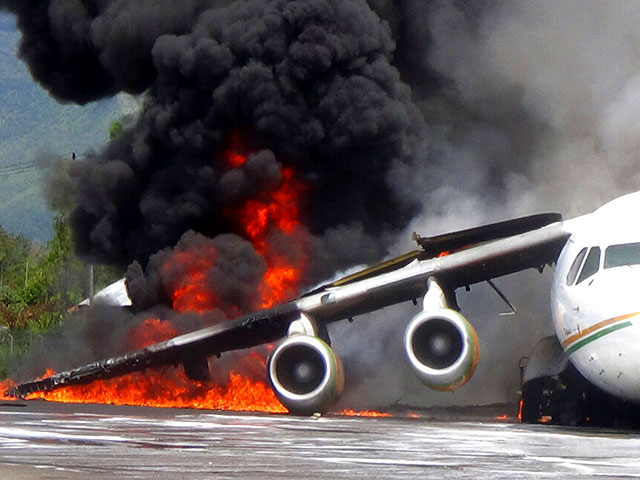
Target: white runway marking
x: 104, y: 442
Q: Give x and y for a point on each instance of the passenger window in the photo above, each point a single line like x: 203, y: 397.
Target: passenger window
x: 619, y: 255
x: 591, y: 265
x: 575, y: 266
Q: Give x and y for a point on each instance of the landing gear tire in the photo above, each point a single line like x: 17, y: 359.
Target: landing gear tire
x: 546, y: 400
x: 568, y: 399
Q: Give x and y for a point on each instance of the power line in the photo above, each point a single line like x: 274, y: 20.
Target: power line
x: 25, y: 167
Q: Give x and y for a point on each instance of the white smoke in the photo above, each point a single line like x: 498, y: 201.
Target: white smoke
x: 537, y: 111
x: 571, y: 69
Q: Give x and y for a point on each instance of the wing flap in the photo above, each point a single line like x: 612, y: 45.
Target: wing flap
x: 504, y: 256
x: 472, y: 236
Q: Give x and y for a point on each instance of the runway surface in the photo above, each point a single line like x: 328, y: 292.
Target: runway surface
x: 56, y: 441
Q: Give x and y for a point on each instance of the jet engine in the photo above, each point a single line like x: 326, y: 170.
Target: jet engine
x: 305, y: 374
x: 442, y: 347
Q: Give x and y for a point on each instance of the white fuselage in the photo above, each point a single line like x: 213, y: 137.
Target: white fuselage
x: 595, y: 298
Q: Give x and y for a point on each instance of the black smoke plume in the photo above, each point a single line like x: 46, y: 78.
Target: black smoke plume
x: 85, y: 50
x: 309, y: 83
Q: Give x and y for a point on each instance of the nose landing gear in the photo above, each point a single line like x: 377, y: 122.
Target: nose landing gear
x: 569, y: 399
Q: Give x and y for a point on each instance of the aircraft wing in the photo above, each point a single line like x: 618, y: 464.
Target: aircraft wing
x: 493, y: 251
x: 468, y: 265
x: 190, y: 349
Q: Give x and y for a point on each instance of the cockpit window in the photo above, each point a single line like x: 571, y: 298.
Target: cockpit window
x: 591, y: 265
x: 575, y: 266
x: 620, y: 255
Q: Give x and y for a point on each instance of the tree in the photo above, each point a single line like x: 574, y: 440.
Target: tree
x: 15, y: 252
x: 115, y: 129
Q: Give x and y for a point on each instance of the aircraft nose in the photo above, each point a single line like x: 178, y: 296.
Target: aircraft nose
x: 610, y: 358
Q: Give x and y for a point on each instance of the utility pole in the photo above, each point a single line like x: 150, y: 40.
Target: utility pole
x: 90, y: 282
x: 5, y: 330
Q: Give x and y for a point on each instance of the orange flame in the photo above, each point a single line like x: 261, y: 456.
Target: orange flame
x: 277, y: 208
x: 273, y: 210
x: 152, y: 330
x: 364, y: 413
x: 191, y: 292
x: 520, y: 406
x: 166, y: 388
x: 278, y: 283
x: 4, y: 386
x: 232, y: 155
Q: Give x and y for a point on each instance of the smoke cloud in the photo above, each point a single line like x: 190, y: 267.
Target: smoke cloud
x: 533, y: 102
x: 399, y: 116
x: 309, y: 83
x: 531, y: 108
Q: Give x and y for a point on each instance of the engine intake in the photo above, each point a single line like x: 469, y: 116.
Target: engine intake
x: 442, y: 348
x: 305, y: 374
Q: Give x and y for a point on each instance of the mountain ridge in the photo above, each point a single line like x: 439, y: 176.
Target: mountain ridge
x: 32, y: 123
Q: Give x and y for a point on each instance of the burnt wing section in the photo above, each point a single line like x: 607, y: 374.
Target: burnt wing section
x: 451, y: 242
x: 504, y: 257
x: 474, y: 264
x: 253, y: 329
x: 377, y: 269
x: 442, y: 245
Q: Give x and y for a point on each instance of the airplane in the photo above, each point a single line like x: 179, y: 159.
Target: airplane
x: 594, y: 304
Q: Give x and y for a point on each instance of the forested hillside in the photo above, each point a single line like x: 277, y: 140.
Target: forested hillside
x: 40, y: 277
x: 39, y: 286
x: 33, y: 124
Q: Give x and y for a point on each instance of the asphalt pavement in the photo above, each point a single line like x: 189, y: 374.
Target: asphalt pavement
x: 41, y: 440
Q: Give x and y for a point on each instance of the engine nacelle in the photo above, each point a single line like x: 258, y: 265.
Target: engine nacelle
x: 305, y: 374
x: 442, y: 347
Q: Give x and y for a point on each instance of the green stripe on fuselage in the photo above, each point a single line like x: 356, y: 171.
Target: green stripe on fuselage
x: 605, y: 331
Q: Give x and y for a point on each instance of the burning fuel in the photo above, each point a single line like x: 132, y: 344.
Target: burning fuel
x: 272, y: 212
x: 168, y: 389
x: 365, y: 413
x: 4, y: 387
x: 152, y: 330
